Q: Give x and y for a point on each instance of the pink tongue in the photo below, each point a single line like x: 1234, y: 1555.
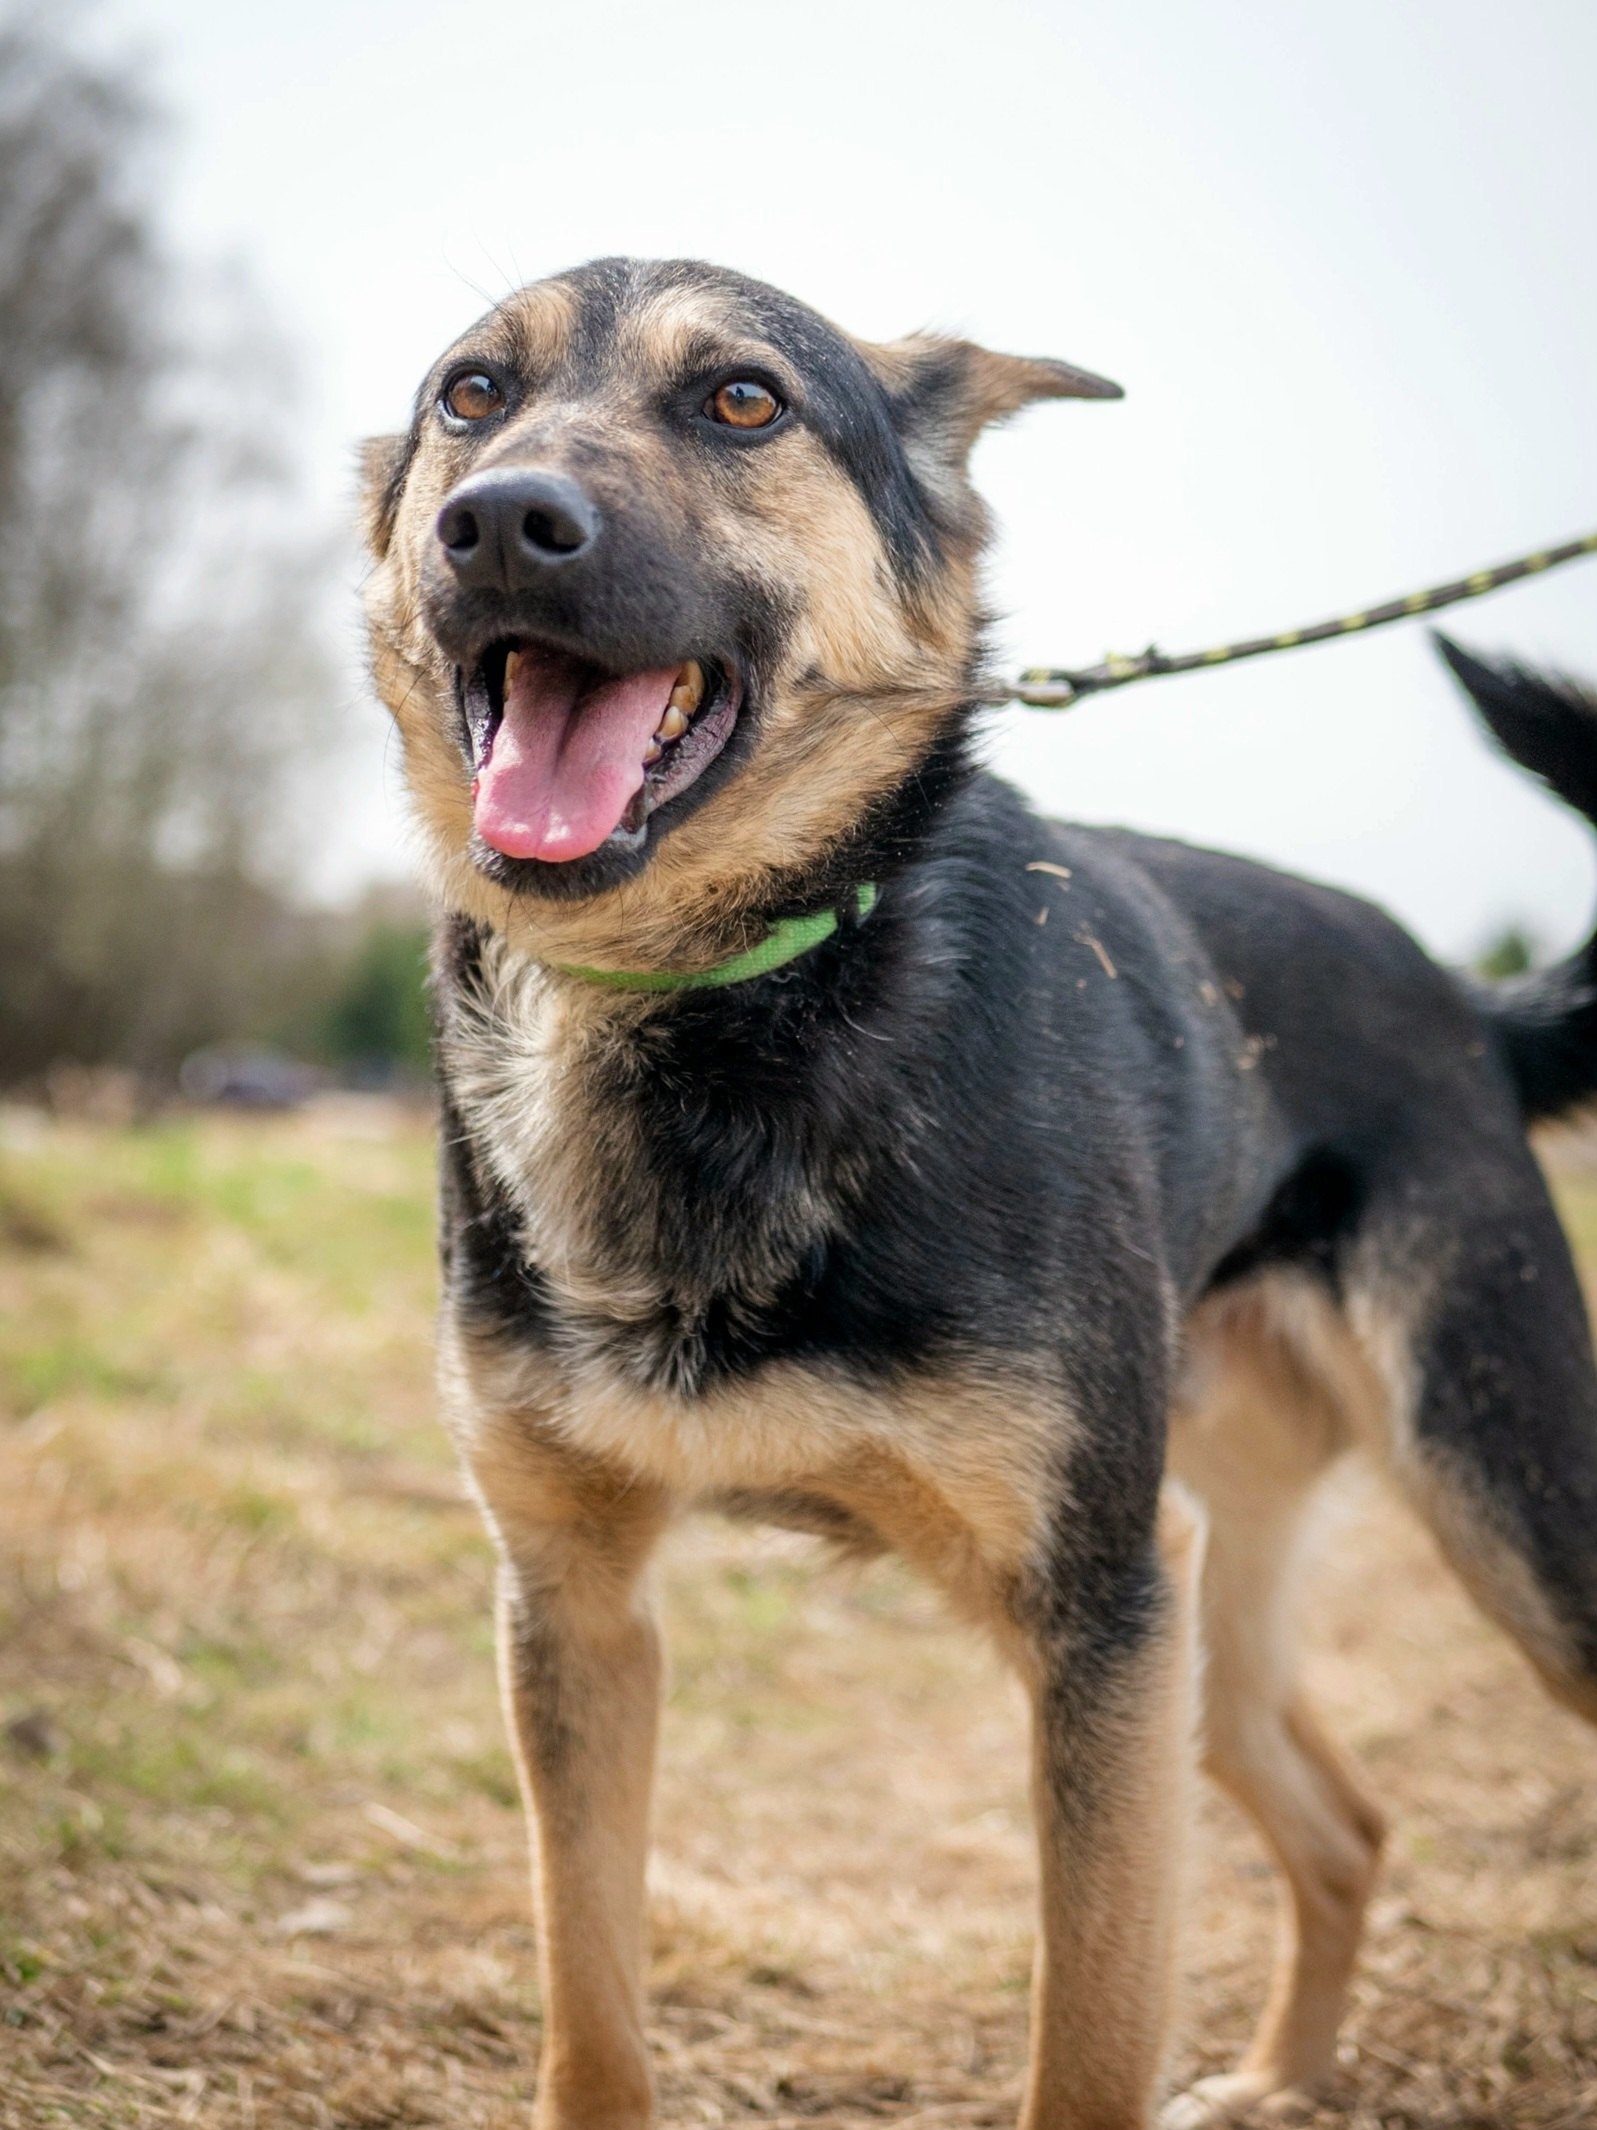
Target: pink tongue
x: 563, y: 766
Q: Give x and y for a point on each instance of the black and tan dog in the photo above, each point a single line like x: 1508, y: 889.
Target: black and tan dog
x: 827, y: 1136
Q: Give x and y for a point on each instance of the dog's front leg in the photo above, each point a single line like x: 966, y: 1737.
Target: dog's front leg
x: 580, y: 1668
x: 1111, y: 1673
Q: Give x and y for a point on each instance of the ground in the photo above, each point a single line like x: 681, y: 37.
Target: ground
x: 260, y: 1857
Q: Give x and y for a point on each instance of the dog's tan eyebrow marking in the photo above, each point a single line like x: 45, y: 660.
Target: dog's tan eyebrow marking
x: 681, y: 333
x: 702, y: 351
x: 537, y: 324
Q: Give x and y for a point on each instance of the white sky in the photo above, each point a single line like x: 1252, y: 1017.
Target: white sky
x: 1341, y: 257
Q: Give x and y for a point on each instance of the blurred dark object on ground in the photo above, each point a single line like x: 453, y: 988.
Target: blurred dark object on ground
x: 247, y: 1076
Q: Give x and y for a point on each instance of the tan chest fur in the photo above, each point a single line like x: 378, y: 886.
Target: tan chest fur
x: 955, y: 1471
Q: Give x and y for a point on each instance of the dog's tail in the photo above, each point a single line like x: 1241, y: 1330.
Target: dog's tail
x: 1545, y: 1025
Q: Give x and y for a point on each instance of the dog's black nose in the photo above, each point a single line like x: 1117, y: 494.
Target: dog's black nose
x: 504, y: 529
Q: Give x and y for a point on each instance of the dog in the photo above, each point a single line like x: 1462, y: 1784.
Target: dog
x: 828, y: 1138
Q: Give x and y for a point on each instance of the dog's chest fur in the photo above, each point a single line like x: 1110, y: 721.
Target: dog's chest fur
x: 635, y: 1281
x: 652, y: 1210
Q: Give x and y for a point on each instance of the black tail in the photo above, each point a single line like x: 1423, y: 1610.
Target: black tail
x: 1546, y: 1024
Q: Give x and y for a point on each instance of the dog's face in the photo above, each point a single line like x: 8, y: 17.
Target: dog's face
x: 674, y: 583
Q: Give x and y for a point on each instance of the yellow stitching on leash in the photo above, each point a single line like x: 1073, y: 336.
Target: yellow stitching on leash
x: 1061, y: 687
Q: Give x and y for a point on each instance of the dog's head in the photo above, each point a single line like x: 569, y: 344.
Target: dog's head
x: 675, y: 588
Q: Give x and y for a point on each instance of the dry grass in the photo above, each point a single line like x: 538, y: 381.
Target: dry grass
x: 260, y: 1862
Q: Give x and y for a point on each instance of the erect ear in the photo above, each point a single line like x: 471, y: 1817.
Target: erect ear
x: 384, y: 461
x: 944, y: 393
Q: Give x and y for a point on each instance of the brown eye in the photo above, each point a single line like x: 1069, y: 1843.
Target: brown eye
x: 743, y: 404
x: 473, y: 396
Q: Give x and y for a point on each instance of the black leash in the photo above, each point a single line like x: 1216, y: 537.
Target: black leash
x: 1059, y: 688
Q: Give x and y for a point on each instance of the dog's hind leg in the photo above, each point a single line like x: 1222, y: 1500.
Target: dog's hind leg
x: 1268, y: 1423
x: 580, y: 1670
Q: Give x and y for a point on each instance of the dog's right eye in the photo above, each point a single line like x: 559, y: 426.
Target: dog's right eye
x: 472, y: 396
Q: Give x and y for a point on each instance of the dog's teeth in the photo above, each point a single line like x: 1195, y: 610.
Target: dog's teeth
x: 688, y: 693
x: 653, y: 752
x: 512, y: 661
x: 673, y: 724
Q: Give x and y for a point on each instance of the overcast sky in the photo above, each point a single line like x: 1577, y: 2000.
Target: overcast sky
x: 1341, y: 256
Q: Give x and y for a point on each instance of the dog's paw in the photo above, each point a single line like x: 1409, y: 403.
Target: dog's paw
x: 1237, y: 2100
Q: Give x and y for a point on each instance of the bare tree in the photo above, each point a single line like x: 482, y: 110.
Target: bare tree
x: 163, y: 674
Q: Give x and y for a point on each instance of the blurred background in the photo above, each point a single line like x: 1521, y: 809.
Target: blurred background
x: 261, y: 1860
x: 1340, y: 258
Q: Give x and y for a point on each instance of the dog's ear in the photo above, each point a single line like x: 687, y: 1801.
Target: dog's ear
x: 384, y: 462
x: 944, y: 393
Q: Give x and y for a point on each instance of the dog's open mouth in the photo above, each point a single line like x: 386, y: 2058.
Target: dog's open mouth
x: 569, y: 757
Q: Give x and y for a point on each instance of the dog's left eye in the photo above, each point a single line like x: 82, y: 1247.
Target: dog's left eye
x: 743, y: 403
x: 472, y: 396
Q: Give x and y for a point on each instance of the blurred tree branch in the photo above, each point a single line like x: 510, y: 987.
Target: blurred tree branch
x: 166, y: 696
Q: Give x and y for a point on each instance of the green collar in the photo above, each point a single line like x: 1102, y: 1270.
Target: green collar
x: 787, y: 939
